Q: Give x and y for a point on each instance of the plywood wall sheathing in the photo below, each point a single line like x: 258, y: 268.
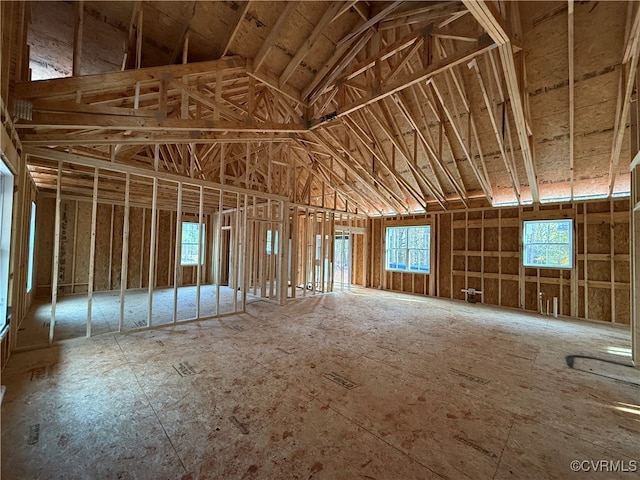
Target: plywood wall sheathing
x: 481, y: 249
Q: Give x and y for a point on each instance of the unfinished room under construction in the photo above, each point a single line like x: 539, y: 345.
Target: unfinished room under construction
x: 331, y: 240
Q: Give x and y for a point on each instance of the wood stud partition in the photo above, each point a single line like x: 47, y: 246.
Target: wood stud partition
x: 312, y: 237
x: 126, y: 236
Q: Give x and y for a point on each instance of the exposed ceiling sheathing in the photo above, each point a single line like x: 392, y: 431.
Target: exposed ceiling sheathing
x: 379, y: 107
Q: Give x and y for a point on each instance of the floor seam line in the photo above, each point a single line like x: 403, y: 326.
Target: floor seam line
x: 506, y: 442
x: 153, y: 409
x: 386, y: 442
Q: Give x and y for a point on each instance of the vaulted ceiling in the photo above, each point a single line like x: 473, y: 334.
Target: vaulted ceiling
x: 375, y: 107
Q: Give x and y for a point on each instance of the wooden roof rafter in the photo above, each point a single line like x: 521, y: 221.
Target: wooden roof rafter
x: 273, y: 34
x: 236, y: 26
x: 427, y: 142
x: 358, y: 132
x: 494, y: 125
x: 491, y: 21
x: 389, y: 88
x: 392, y: 198
x: 342, y: 57
x: 630, y: 57
x: 454, y: 120
x: 422, y: 14
x: 303, y: 50
x: 358, y: 172
x: 425, y: 184
x: 370, y: 23
x: 324, y: 174
x: 393, y: 182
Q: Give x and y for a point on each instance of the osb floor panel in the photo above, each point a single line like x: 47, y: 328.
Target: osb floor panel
x: 71, y: 312
x: 360, y: 385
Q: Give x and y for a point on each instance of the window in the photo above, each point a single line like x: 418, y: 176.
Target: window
x: 272, y: 242
x: 409, y: 249
x: 548, y: 243
x: 190, y: 242
x: 6, y: 205
x: 32, y: 247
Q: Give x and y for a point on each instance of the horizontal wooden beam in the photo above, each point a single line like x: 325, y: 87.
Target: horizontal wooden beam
x: 160, y: 137
x: 91, y: 83
x: 57, y: 120
x: 82, y: 160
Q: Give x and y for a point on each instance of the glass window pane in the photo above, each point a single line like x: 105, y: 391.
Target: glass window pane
x: 407, y: 248
x: 548, y: 243
x: 189, y: 244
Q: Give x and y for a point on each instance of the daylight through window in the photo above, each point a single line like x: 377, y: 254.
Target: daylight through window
x: 272, y: 242
x: 409, y: 249
x: 190, y: 240
x: 548, y: 243
x: 32, y: 247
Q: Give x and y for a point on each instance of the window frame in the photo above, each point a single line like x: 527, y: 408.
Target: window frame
x: 201, y: 238
x: 526, y: 245
x: 389, y: 249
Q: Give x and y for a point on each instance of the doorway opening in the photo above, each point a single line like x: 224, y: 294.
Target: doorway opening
x: 342, y: 262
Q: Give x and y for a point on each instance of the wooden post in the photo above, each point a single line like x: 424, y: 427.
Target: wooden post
x: 235, y: 238
x: 586, y: 277
x: 218, y: 272
x: 283, y: 253
x: 125, y: 251
x: 152, y: 247
x: 499, y: 258
x: 75, y: 245
x: 383, y: 245
x: 243, y: 253
x: 295, y: 238
x: 521, y: 279
x: 92, y: 252
x: 305, y: 251
x: 466, y: 249
x: 262, y: 248
x: 323, y: 252
x: 434, y: 253
x: 201, y: 240
x: 111, y: 220
x: 144, y: 218
x: 56, y: 255
x: 612, y: 260
x: 222, y: 168
x: 635, y: 265
x: 574, y: 271
x: 176, y: 257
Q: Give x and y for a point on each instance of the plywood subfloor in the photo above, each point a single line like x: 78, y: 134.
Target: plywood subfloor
x: 354, y: 385
x: 71, y: 311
